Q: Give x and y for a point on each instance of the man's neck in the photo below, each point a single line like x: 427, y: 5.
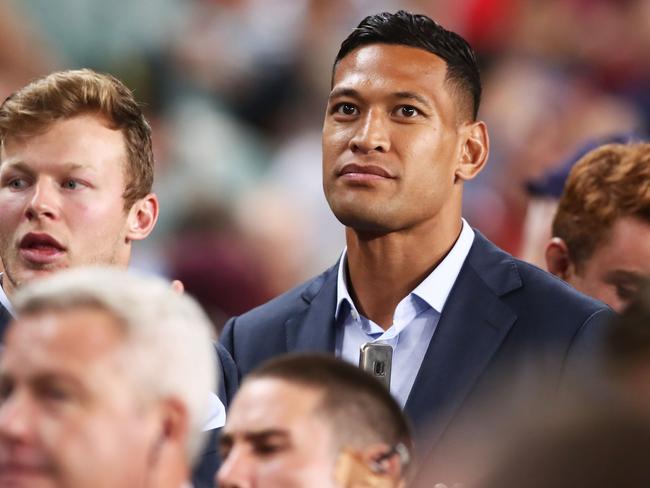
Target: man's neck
x: 384, y: 269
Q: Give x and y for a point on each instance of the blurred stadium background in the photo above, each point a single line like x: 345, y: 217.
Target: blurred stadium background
x: 236, y: 90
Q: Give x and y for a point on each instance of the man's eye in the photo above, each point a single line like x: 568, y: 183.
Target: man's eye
x: 6, y: 389
x: 71, y: 184
x: 346, y: 109
x: 55, y: 393
x: 626, y: 292
x: 17, y: 184
x: 267, y: 449
x: 407, y: 111
x: 224, y: 452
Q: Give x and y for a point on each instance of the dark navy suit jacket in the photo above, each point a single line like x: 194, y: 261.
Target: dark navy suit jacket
x: 208, y: 463
x: 5, y: 318
x: 500, y: 312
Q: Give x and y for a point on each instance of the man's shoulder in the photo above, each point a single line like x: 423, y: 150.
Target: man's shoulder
x: 531, y: 290
x: 263, y: 332
x: 278, y: 310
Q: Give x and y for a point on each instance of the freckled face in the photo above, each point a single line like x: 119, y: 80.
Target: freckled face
x: 61, y: 199
x: 391, y: 144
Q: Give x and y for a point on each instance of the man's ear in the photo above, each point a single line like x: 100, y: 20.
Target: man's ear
x: 474, y: 151
x: 173, y: 432
x: 142, y: 218
x: 558, y: 260
x: 367, y: 467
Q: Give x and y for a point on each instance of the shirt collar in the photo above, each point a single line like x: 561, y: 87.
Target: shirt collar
x: 4, y: 299
x: 434, y: 289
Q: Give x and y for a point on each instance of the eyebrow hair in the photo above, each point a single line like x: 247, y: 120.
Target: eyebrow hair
x: 352, y: 93
x: 626, y: 275
x: 344, y: 92
x: 413, y: 96
x: 227, y: 437
x: 44, y: 378
x: 19, y: 165
x: 22, y: 166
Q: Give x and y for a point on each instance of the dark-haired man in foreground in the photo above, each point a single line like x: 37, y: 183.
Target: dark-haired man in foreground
x: 400, y: 139
x: 309, y: 420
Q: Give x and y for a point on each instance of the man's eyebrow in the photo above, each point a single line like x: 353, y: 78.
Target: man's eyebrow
x: 25, y: 168
x: 621, y: 274
x: 74, y: 166
x: 18, y: 165
x: 225, y: 440
x: 352, y: 93
x: 5, y: 378
x: 413, y: 96
x: 41, y: 380
x: 344, y: 92
x: 265, y: 434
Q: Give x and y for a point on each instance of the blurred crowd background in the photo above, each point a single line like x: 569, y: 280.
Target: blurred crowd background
x: 236, y: 89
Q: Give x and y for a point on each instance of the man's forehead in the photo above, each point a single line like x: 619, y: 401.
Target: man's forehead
x: 270, y: 403
x: 391, y: 59
x: 86, y: 132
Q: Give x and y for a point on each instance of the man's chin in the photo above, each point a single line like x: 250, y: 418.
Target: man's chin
x: 24, y: 276
x: 372, y: 223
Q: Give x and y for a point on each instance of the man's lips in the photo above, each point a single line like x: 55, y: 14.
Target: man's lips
x: 16, y: 468
x: 21, y: 464
x: 364, y: 171
x: 40, y: 248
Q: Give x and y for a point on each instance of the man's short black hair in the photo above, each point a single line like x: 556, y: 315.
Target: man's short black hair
x: 419, y: 31
x: 360, y: 409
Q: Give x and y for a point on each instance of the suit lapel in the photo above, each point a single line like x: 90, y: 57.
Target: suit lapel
x: 314, y: 328
x: 473, y: 325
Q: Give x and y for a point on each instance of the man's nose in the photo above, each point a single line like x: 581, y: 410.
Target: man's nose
x: 44, y: 201
x: 236, y: 469
x: 372, y: 133
x: 16, y: 418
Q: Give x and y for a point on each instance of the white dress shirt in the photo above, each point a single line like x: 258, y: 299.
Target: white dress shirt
x: 414, y: 321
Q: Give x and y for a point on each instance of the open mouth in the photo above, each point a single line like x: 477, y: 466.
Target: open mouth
x: 40, y: 248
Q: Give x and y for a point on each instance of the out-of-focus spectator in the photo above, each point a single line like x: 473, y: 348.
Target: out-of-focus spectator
x: 314, y: 421
x: 104, y: 382
x: 23, y: 54
x: 537, y: 117
x: 544, y: 194
x: 215, y: 264
x: 583, y: 446
x: 628, y: 350
x: 601, y: 232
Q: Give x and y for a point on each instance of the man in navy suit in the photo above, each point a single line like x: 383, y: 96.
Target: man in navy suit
x: 400, y: 139
x: 76, y: 175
